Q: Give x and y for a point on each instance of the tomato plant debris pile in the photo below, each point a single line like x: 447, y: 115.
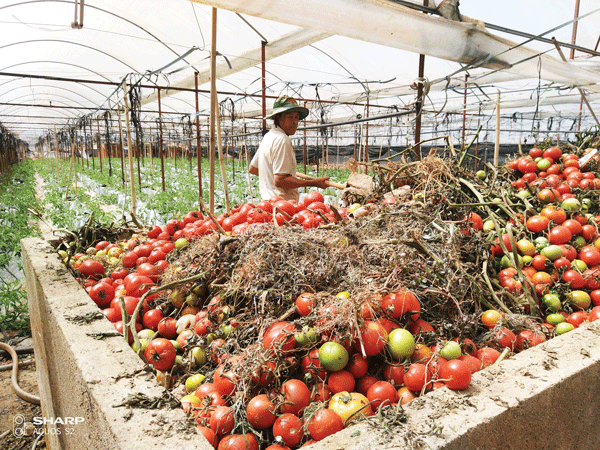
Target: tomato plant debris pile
x: 410, y: 291
x: 419, y: 245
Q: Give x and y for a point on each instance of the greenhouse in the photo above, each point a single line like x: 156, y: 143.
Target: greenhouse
x: 421, y: 271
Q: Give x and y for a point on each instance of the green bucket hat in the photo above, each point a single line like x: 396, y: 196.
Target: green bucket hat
x: 285, y: 103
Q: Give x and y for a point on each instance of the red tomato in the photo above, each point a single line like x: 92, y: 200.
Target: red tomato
x: 290, y: 428
x: 505, y: 338
x: 553, y: 153
x: 119, y: 274
x: 394, y: 373
x: 238, y: 442
x: 285, y: 206
x: 324, y: 423
x: 264, y: 375
x: 340, y: 381
x: 111, y: 314
x: 321, y: 393
x: 311, y: 365
x: 311, y: 197
x: 208, y: 434
x: 590, y: 255
x: 137, y: 285
x: 357, y: 365
x: 296, y: 397
x: 417, y: 377
x: 577, y: 318
x: 487, y: 356
x: 225, y: 380
x: 280, y: 337
x: 102, y: 293
x: 365, y: 383
x: 382, y: 392
x: 305, y: 303
x: 161, y: 354
x: 402, y: 302
x: 559, y: 235
x: 594, y: 314
x: 167, y: 328
x: 473, y: 363
x: 152, y: 318
x: 373, y: 338
x: 222, y: 420
x: 537, y: 223
x: 574, y: 279
x: 456, y: 374
x: 91, y: 268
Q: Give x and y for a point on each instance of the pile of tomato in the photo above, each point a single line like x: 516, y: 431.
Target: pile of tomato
x: 556, y: 255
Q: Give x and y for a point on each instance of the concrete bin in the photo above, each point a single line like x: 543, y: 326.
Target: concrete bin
x: 545, y: 397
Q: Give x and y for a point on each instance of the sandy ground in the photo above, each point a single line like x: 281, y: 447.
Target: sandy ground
x: 14, y: 410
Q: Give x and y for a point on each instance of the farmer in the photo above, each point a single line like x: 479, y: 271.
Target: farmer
x: 275, y: 161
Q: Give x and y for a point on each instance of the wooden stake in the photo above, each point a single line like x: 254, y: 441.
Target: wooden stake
x: 213, y: 96
x: 221, y: 159
x: 122, y: 148
x: 198, y: 149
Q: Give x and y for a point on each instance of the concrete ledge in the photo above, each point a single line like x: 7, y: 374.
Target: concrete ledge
x: 80, y: 376
x: 545, y: 398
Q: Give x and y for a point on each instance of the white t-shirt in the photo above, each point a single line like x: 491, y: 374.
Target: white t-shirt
x: 275, y: 155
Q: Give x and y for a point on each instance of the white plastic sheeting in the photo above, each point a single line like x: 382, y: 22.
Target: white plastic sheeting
x: 335, y: 51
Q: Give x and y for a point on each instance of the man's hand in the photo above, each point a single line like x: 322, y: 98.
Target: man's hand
x: 320, y: 183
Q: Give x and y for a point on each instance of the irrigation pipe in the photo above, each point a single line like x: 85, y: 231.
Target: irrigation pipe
x: 14, y: 378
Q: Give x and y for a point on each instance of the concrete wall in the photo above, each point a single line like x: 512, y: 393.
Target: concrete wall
x: 80, y: 376
x: 545, y: 398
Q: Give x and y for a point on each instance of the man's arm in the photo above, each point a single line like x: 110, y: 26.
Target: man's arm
x: 253, y: 170
x: 287, y: 181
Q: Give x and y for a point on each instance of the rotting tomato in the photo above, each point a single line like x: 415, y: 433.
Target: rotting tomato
x: 350, y: 406
x: 280, y: 337
x: 290, y: 428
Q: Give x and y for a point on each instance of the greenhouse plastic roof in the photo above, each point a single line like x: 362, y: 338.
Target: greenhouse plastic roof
x: 336, y: 53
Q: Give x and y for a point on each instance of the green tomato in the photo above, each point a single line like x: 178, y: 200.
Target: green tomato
x: 552, y: 302
x: 555, y: 318
x: 527, y: 260
x: 145, y: 333
x: 305, y: 337
x: 481, y: 174
x: 181, y: 243
x: 488, y: 225
x: 552, y: 252
x: 343, y: 294
x: 579, y: 299
x: 333, y: 356
x: 91, y: 251
x: 401, y: 343
x: 578, y: 242
x: 579, y: 265
x: 198, y: 356
x: 226, y: 329
x: 192, y: 382
x: 564, y: 327
x: 540, y: 243
x: 143, y: 344
x: 571, y: 205
x: 451, y: 350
